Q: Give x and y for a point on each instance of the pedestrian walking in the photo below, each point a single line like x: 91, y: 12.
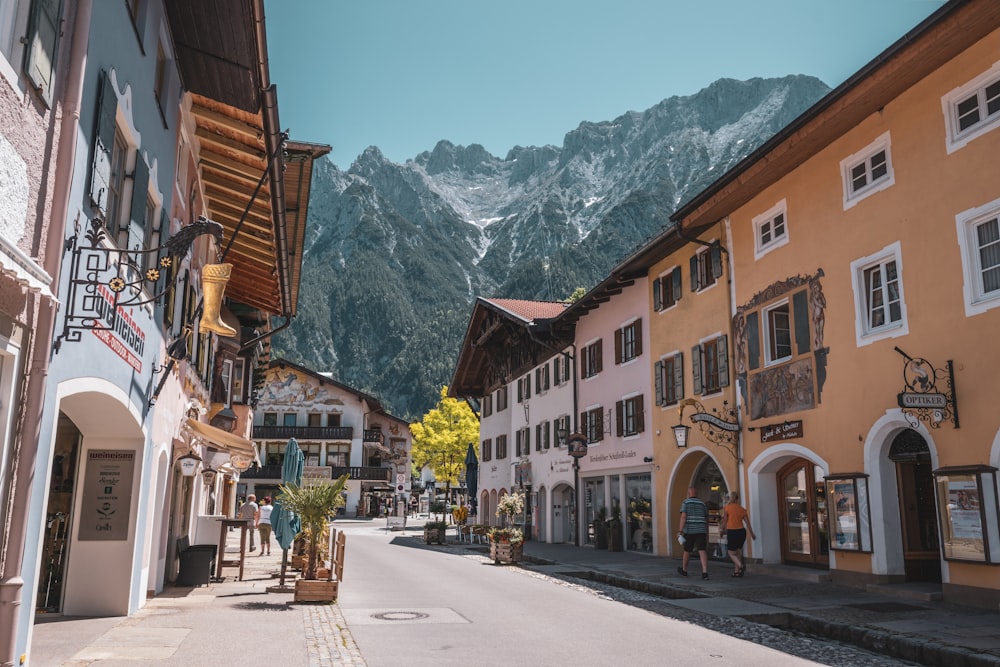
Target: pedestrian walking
x: 735, y: 521
x: 248, y: 513
x: 264, y: 525
x: 693, y: 532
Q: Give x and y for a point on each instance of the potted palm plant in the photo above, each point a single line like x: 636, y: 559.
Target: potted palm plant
x: 315, y: 504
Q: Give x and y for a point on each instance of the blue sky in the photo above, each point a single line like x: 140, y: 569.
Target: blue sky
x: 403, y: 74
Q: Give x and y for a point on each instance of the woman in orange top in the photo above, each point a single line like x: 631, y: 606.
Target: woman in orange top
x: 734, y: 517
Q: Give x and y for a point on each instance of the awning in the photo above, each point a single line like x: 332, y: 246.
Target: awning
x: 223, y: 440
x: 23, y: 270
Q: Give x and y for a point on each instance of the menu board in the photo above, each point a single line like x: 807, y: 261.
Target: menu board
x: 107, y: 494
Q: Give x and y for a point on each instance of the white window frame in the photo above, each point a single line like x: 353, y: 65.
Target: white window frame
x: 977, y: 301
x: 864, y: 156
x: 629, y: 345
x: 662, y: 280
x: 705, y: 269
x: 631, y: 401
x: 770, y: 360
x: 766, y: 219
x: 9, y: 362
x: 14, y: 18
x: 956, y: 138
x: 703, y: 361
x: 864, y: 335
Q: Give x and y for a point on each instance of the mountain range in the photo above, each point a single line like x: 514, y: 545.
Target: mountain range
x: 396, y: 253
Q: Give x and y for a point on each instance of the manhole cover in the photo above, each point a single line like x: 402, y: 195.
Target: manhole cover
x: 885, y: 607
x: 399, y: 615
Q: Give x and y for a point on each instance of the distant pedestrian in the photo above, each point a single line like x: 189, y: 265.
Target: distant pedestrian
x: 264, y: 525
x: 734, y: 518
x: 694, y: 532
x: 248, y: 513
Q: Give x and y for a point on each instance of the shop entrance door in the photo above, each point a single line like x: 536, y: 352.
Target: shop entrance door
x: 917, y: 518
x: 55, y: 542
x: 802, y: 510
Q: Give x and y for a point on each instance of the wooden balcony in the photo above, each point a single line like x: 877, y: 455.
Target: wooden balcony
x: 303, y: 432
x: 373, y: 435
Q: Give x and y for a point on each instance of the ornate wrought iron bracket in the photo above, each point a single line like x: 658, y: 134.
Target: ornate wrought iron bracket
x: 720, y: 427
x: 922, y: 399
x: 104, y: 279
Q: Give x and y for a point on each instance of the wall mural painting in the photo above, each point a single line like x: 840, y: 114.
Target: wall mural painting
x: 788, y: 387
x: 285, y: 387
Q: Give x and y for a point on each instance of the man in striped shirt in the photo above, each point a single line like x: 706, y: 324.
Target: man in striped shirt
x: 693, y: 530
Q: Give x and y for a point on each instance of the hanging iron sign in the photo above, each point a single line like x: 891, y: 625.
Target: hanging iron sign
x: 923, y: 399
x: 577, y: 445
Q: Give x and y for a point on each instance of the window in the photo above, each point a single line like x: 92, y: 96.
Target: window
x: 333, y: 420
x: 238, y: 370
x: 165, y: 82
x: 973, y: 109
x: 487, y: 405
x: 314, y: 419
x: 770, y: 230
x: 592, y: 422
x: 667, y: 289
x: 486, y: 453
x: 542, y: 435
x: 777, y: 333
x: 29, y: 38
x: 591, y: 363
x: 501, y: 446
x: 630, y: 416
x: 502, y: 398
x: 289, y: 419
x: 524, y: 388
x: 706, y: 267
x: 522, y: 442
x: 979, y: 242
x: 338, y: 456
x: 710, y: 365
x: 562, y: 425
x: 542, y: 381
x: 668, y: 378
x: 561, y: 371
x: 868, y: 171
x: 628, y: 342
x: 119, y: 156
x: 878, y: 290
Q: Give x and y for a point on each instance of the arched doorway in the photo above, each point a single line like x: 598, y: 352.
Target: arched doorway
x: 917, y: 517
x: 802, y: 514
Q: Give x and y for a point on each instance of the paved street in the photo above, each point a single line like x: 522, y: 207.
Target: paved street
x: 404, y: 602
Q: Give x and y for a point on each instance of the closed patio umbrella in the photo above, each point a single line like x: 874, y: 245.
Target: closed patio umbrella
x: 472, y: 476
x: 286, y: 524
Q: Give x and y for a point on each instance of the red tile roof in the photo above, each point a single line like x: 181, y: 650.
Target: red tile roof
x: 530, y: 310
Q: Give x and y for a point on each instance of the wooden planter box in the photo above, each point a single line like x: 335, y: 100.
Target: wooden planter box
x: 505, y: 552
x: 315, y: 590
x: 434, y: 536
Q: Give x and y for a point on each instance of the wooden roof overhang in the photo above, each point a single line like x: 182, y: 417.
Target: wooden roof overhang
x: 256, y: 181
x: 938, y: 39
x: 498, y: 346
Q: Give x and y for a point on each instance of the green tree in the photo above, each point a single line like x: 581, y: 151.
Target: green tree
x: 577, y: 294
x: 441, y: 439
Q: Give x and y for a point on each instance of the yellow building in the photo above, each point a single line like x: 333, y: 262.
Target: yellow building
x: 866, y: 275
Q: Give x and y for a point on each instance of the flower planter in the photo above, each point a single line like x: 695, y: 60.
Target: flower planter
x: 505, y: 552
x: 315, y: 590
x: 434, y: 535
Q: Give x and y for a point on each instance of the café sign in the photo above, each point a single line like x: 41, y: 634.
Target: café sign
x: 782, y: 431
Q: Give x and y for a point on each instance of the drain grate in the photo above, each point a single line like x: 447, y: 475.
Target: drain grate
x: 261, y: 606
x: 885, y: 607
x: 400, y: 615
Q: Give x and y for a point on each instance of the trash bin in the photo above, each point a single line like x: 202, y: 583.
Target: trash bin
x: 197, y: 563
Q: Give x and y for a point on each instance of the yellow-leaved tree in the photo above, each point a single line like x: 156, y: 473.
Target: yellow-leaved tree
x: 441, y: 439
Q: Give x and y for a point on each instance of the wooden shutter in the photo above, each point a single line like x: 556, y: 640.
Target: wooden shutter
x: 600, y: 424
x: 676, y: 280
x: 619, y: 338
x: 638, y: 336
x: 640, y: 414
x: 715, y: 253
x: 42, y: 46
x: 696, y: 368
x: 658, y: 383
x: 695, y: 282
x: 584, y: 362
x: 137, y: 217
x: 585, y: 425
x: 800, y: 313
x: 555, y: 370
x: 104, y: 142
x: 657, y: 298
x: 599, y: 355
x: 722, y: 350
x: 753, y: 340
x: 620, y: 418
x: 679, y: 376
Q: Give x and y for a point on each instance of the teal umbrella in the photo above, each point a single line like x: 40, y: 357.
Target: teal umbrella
x: 286, y: 524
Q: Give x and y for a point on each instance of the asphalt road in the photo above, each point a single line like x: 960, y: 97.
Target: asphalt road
x: 406, y: 605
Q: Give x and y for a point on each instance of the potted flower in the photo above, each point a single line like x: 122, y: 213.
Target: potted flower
x: 434, y: 532
x: 315, y: 505
x: 506, y: 540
